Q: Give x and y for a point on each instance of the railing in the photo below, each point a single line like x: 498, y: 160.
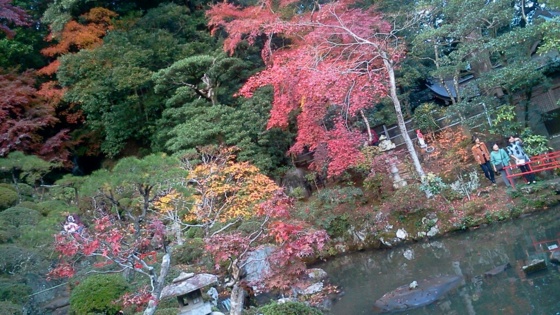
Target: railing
x: 538, y: 163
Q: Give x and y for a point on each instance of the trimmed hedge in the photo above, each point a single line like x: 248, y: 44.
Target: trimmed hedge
x: 97, y: 293
x: 8, y: 198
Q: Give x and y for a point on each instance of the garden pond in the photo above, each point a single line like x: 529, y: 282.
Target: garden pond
x: 365, y: 277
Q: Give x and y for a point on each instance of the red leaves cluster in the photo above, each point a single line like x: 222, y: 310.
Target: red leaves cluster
x: 293, y: 241
x: 112, y: 242
x: 10, y: 14
x: 27, y: 118
x: 137, y: 300
x: 330, y: 71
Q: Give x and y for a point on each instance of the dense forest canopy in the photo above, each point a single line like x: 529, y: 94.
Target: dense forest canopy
x: 169, y: 125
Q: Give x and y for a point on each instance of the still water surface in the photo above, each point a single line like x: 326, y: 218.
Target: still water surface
x: 366, y: 276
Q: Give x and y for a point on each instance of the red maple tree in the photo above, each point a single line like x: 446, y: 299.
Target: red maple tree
x: 336, y: 59
x: 10, y: 14
x: 122, y: 246
x: 323, y: 74
x: 292, y: 240
x: 28, y: 118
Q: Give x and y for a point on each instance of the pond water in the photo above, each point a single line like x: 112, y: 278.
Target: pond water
x: 365, y: 276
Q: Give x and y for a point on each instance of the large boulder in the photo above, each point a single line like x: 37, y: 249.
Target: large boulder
x: 421, y: 293
x: 295, y: 183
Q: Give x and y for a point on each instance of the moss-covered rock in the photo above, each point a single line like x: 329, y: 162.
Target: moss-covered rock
x: 97, y: 293
x: 8, y: 198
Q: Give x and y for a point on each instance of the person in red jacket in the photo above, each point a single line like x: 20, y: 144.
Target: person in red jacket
x: 482, y: 157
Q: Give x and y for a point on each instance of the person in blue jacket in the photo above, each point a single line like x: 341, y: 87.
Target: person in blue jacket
x: 500, y: 159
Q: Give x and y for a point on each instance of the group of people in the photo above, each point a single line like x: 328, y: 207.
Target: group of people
x: 499, y: 158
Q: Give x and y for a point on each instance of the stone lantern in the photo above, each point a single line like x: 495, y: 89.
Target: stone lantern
x: 188, y: 290
x: 398, y: 181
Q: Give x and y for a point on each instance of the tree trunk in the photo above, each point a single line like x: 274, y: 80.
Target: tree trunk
x: 400, y: 119
x: 158, y: 285
x: 370, y: 135
x: 176, y: 227
x: 237, y: 298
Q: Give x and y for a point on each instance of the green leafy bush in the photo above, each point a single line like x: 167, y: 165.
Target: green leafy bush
x: 189, y: 251
x: 7, y: 232
x: 341, y: 195
x: 9, y: 308
x: 289, y: 308
x: 19, y: 217
x: 408, y: 199
x: 42, y: 235
x: 26, y: 191
x: 29, y: 205
x: 55, y: 206
x: 425, y: 117
x: 8, y: 198
x: 14, y: 292
x: 534, y: 144
x: 8, y: 186
x: 96, y: 294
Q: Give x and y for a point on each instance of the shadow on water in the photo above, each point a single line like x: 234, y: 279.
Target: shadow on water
x: 366, y: 276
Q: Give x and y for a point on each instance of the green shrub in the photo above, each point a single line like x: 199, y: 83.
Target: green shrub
x: 7, y: 233
x: 9, y: 308
x: 19, y: 217
x: 14, y: 292
x: 14, y: 259
x: 189, y: 251
x: 55, y: 206
x: 29, y: 205
x: 408, y: 199
x: 8, y: 186
x: 337, y: 226
x: 26, y: 191
x: 43, y: 232
x: 342, y: 195
x: 289, y: 308
x: 96, y: 294
x: 8, y: 198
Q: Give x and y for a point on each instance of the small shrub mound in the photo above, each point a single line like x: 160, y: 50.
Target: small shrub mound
x: 97, y: 293
x: 8, y: 198
x: 289, y: 308
x: 9, y: 308
x: 20, y: 217
x: 54, y: 207
x: 14, y: 292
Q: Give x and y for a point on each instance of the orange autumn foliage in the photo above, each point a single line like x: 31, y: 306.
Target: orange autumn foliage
x: 76, y: 36
x: 227, y: 189
x: 452, y: 150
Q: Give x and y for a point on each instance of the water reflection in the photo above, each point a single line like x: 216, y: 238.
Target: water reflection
x: 366, y: 276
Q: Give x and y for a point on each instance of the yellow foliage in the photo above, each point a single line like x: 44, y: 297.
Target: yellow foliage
x: 228, y: 189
